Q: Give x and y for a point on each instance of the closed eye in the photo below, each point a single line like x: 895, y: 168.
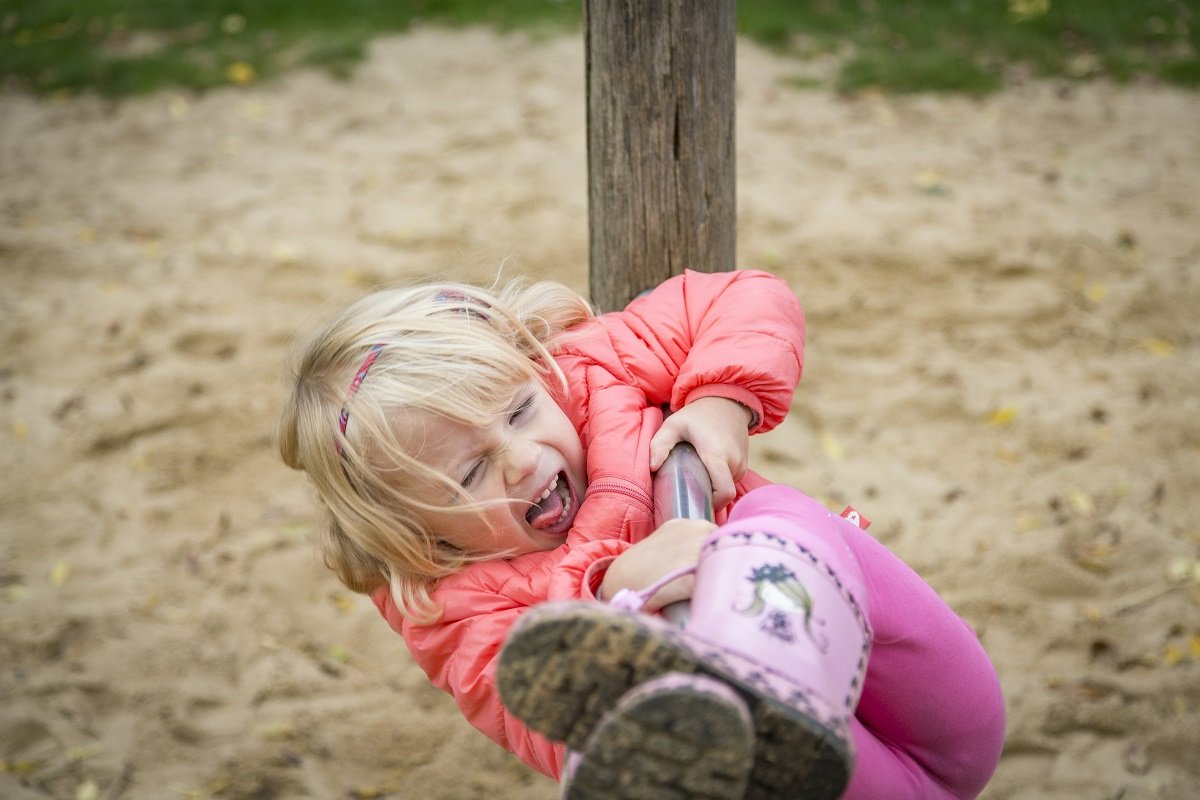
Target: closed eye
x: 472, y: 476
x: 521, y: 409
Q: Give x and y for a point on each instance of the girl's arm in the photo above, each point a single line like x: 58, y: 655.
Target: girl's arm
x: 724, y: 352
x: 737, y: 335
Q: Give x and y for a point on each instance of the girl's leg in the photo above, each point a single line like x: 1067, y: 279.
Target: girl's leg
x: 771, y: 617
x: 930, y: 722
x: 931, y: 701
x: 930, y: 719
x: 567, y: 666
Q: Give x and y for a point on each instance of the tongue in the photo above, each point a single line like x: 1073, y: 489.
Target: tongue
x: 547, y: 512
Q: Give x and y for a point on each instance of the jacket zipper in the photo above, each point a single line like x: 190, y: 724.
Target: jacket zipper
x: 622, y: 487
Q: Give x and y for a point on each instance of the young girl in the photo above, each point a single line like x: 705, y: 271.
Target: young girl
x: 482, y: 453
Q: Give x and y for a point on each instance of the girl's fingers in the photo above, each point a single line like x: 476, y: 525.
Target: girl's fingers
x: 740, y: 470
x: 661, y: 444
x: 722, y: 480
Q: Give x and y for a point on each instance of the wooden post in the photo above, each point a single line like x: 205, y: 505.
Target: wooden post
x: 660, y: 123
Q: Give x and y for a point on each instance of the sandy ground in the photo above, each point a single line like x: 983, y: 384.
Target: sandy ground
x: 1003, y: 374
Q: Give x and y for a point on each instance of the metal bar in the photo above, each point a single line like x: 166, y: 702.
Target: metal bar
x: 682, y: 490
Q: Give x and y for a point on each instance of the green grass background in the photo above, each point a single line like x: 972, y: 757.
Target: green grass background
x: 123, y: 47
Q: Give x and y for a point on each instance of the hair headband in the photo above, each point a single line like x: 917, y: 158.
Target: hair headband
x: 446, y: 296
x: 344, y: 417
x: 462, y: 303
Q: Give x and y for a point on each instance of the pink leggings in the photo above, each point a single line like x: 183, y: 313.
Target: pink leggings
x: 930, y: 723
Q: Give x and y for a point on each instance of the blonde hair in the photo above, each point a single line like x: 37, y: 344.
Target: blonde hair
x: 455, y: 350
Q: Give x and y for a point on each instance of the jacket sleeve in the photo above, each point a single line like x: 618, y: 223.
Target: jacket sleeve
x: 738, y: 335
x: 459, y: 653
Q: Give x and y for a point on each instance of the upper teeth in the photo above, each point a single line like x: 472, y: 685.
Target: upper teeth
x: 553, y: 485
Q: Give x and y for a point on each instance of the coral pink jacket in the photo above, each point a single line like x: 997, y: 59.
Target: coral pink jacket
x: 738, y: 335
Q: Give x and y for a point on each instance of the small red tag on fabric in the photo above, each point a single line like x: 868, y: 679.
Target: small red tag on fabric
x: 851, y: 513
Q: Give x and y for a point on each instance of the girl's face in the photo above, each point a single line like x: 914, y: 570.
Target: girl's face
x: 530, y: 459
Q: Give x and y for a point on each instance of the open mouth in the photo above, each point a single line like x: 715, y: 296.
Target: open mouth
x: 554, y: 511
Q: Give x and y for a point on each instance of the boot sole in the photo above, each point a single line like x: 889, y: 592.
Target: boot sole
x: 565, y: 665
x: 676, y: 743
